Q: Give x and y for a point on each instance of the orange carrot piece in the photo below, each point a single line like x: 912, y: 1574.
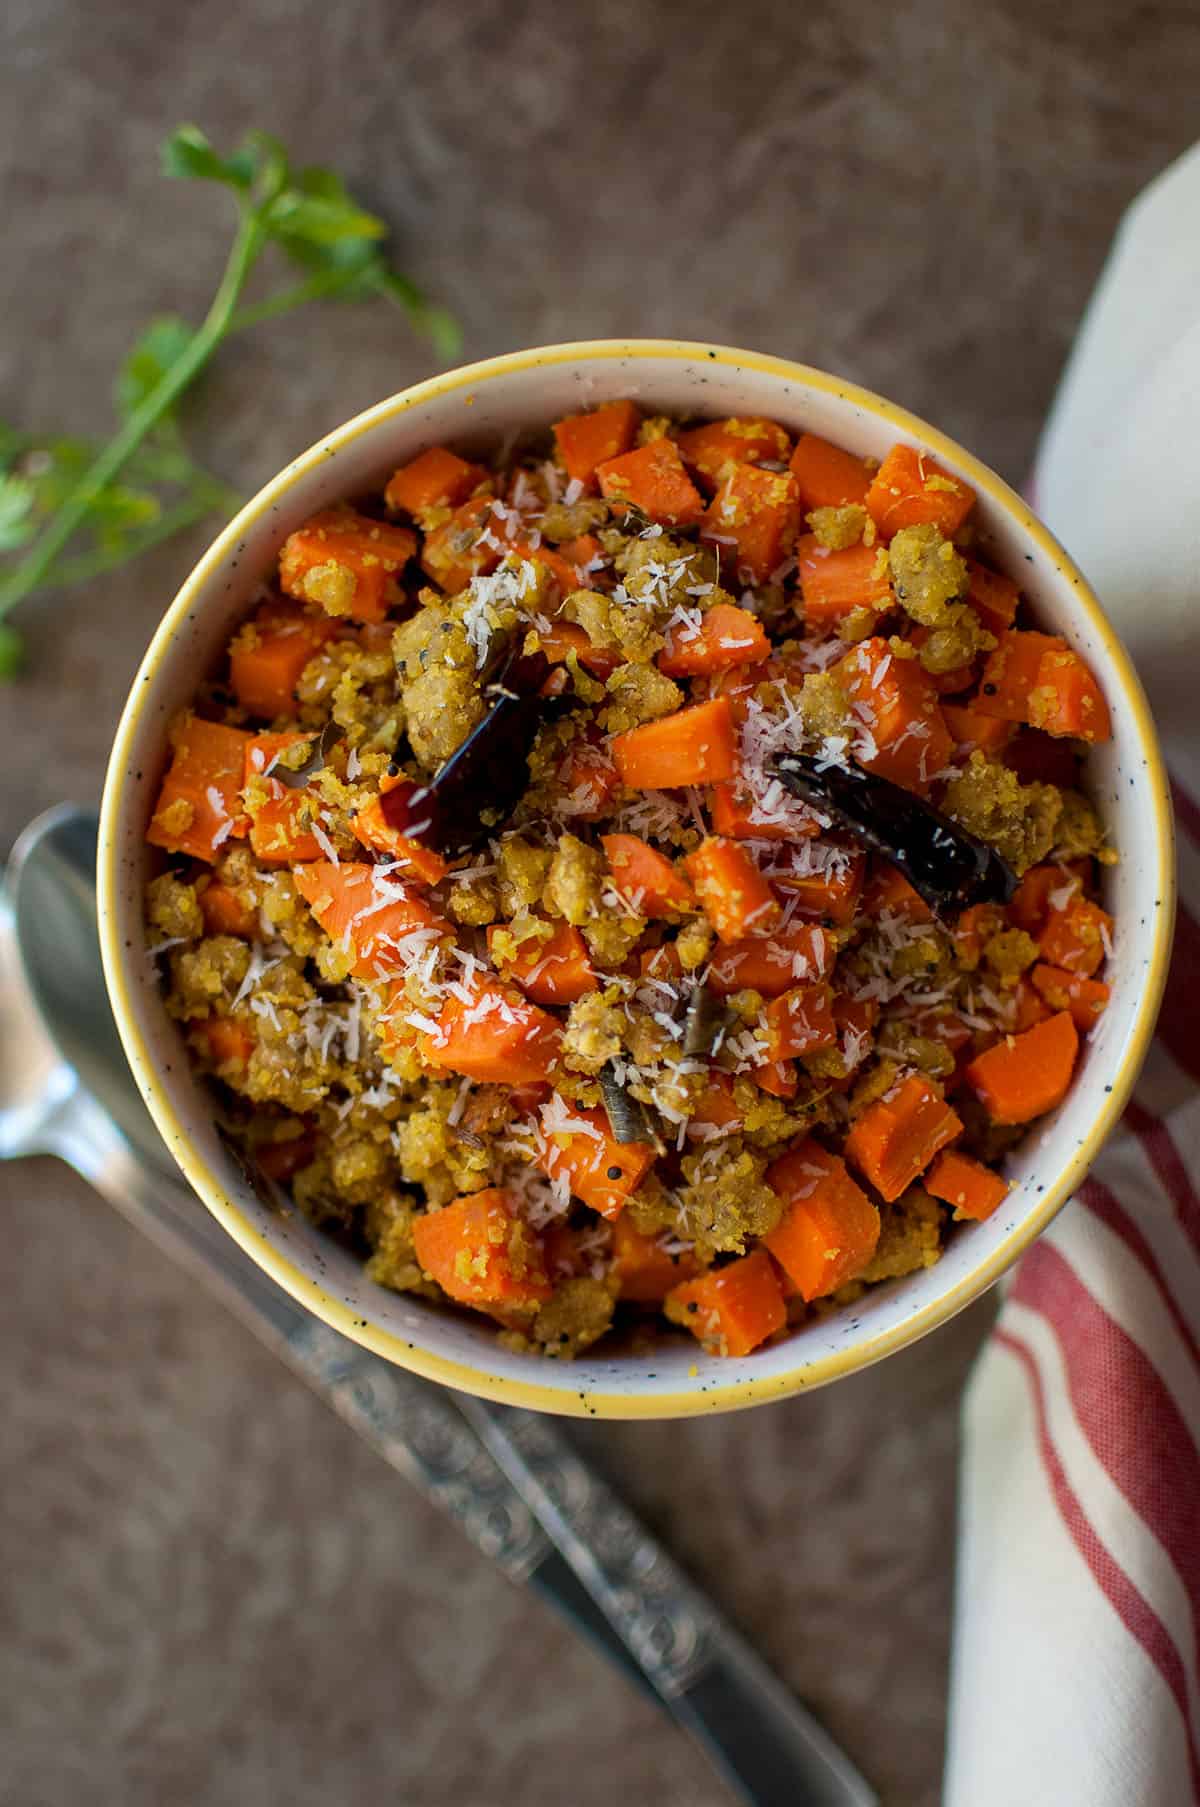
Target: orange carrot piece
x: 660, y: 962
x: 1046, y: 888
x: 901, y: 710
x: 268, y: 654
x: 696, y: 745
x: 468, y: 545
x: 645, y: 1271
x: 829, y: 1229
x: 588, y: 777
x: 732, y: 891
x: 1029, y: 1006
x: 736, y: 812
x: 557, y: 971
x: 708, y: 450
x: 888, y: 889
x: 716, y: 1107
x: 652, y: 479
x: 224, y: 912
x: 893, y: 1141
x: 199, y: 805
x: 973, y: 929
x: 585, y: 441
x: 372, y: 828
x: 495, y: 1035
x: 651, y: 882
x: 725, y: 637
x: 973, y: 1189
x: 365, y: 917
x: 562, y: 639
x: 800, y: 1021
x: 226, y: 1041
x: 835, y: 583
x: 778, y: 1077
x: 1066, y: 699
x: 829, y: 896
x: 1077, y: 937
x: 280, y: 830
x: 732, y: 1309
x: 438, y: 478
x: 346, y: 564
x: 600, y: 1171
x: 772, y: 964
x: 1085, y: 998
x: 911, y: 488
x: 481, y: 1253
x: 969, y: 729
x: 826, y: 476
x: 1025, y: 1075
x: 1010, y: 674
x: 993, y: 596
x: 752, y: 521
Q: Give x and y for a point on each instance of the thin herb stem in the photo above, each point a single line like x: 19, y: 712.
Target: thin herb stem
x: 71, y: 571
x: 32, y: 569
x: 317, y: 288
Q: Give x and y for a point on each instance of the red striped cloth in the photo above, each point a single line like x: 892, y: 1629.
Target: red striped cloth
x: 1077, y: 1645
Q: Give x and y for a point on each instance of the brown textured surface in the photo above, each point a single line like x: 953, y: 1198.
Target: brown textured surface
x: 208, y: 1591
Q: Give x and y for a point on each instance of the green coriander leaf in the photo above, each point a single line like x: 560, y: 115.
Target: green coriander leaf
x: 188, y: 156
x: 319, y: 219
x: 161, y: 345
x: 267, y: 159
x: 12, y: 653
x: 16, y: 512
x: 440, y: 325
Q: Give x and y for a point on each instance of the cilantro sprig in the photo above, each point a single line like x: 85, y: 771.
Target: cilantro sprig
x: 71, y: 509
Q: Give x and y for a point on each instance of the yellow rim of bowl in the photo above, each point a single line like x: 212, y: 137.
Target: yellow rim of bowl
x: 565, y: 1398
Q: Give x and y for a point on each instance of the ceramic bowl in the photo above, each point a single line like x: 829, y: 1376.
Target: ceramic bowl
x: 474, y: 409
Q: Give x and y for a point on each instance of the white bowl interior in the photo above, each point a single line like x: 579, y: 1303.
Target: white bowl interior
x: 476, y: 416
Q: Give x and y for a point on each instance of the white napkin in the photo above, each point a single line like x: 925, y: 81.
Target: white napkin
x: 1078, y: 1612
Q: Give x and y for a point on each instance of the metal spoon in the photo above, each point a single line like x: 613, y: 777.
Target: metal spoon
x: 509, y: 1479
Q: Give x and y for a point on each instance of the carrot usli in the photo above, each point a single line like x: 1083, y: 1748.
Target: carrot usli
x: 346, y: 564
x: 601, y: 1171
x: 558, y: 970
x: 480, y: 1253
x: 647, y: 880
x: 752, y: 521
x: 826, y: 476
x: 268, y: 655
x: 910, y: 488
x: 493, y: 1035
x: 709, y: 450
x: 437, y: 478
x: 654, y: 480
x: 585, y: 441
x: 726, y: 637
x: 973, y: 1189
x: 834, y: 583
x: 199, y: 804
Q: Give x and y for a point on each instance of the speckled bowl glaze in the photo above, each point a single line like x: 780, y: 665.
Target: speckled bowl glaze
x: 474, y: 409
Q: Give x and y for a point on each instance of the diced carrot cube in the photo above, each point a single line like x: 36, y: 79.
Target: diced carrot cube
x: 831, y: 896
x: 224, y: 911
x: 268, y: 654
x: 1010, y: 674
x: 778, y: 1077
x: 1024, y: 1076
x: 585, y: 441
x: 651, y: 883
x: 556, y: 971
x: 732, y: 1309
x: 1046, y: 888
x: 969, y: 729
x: 732, y: 891
x: 1067, y: 700
x: 888, y: 889
x: 973, y: 1189
x: 467, y: 545
x: 280, y: 818
x: 752, y: 520
x: 437, y: 478
x: 645, y: 1270
x: 495, y: 1036
x: 826, y: 476
x: 727, y: 636
x: 588, y: 778
x: 772, y: 964
x: 481, y: 1253
x: 346, y: 564
x: 653, y: 479
x: 1085, y: 998
x: 373, y: 828
x: 829, y: 1229
x: 899, y: 706
x: 602, y: 1172
x: 911, y: 488
x: 694, y: 746
x: 834, y: 583
x: 200, y: 803
x: 1077, y: 937
x: 993, y: 596
x: 894, y: 1140
x: 709, y: 450
x: 226, y: 1042
x: 366, y: 913
x: 799, y: 1022
x: 563, y: 640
